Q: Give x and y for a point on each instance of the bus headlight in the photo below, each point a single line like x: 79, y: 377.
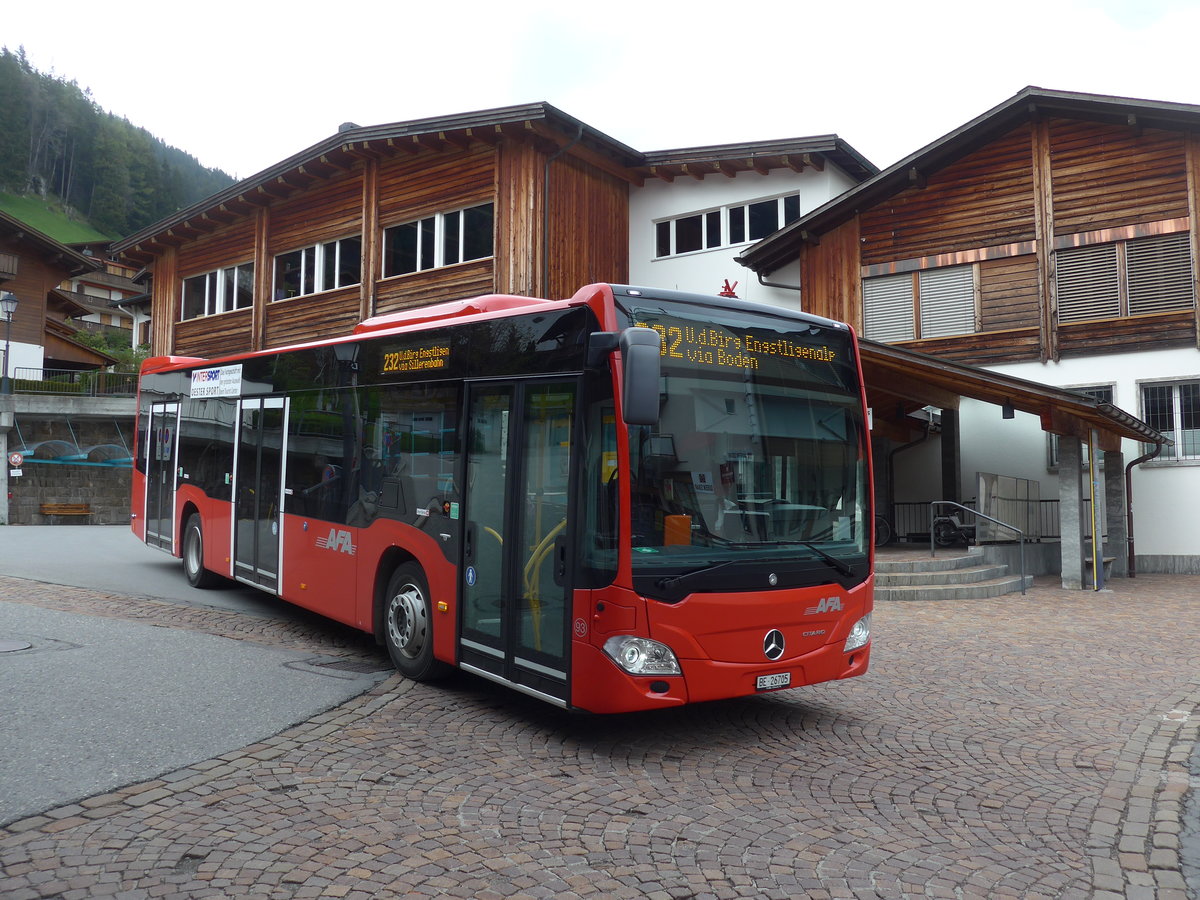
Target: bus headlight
x: 859, y: 634
x: 641, y: 656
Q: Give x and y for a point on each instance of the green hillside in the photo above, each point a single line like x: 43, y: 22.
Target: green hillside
x: 55, y: 223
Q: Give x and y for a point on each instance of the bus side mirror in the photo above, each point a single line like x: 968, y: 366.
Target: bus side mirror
x: 640, y: 351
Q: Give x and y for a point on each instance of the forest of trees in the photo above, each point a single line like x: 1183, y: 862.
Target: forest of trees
x: 56, y: 141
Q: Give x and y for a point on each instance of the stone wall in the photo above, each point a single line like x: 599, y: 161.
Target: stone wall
x: 104, y: 488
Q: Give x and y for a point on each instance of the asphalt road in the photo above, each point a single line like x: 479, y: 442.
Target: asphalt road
x: 96, y: 703
x: 110, y: 558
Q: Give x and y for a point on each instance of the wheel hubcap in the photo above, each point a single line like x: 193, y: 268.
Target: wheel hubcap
x: 406, y: 621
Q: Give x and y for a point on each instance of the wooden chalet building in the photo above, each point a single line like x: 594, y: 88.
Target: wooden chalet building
x: 520, y: 200
x: 39, y: 270
x: 33, y: 267
x: 1053, y: 240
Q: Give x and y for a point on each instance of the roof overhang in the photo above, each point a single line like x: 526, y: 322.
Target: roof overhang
x: 55, y: 253
x: 900, y: 381
x: 65, y: 302
x: 797, y: 154
x: 63, y: 351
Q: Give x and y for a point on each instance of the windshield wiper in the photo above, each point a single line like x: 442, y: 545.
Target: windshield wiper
x: 838, y: 565
x: 672, y: 580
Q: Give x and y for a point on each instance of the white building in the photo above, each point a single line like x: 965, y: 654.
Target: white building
x: 685, y: 231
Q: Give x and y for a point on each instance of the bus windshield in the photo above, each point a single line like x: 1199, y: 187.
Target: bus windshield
x: 755, y: 476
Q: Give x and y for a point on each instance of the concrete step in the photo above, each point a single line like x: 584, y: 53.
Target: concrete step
x: 923, y: 562
x: 980, y: 590
x: 964, y: 575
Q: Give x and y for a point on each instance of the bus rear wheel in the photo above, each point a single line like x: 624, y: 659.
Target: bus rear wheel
x: 193, y: 556
x: 408, y: 625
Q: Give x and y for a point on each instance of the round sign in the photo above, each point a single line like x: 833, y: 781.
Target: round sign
x: 15, y: 460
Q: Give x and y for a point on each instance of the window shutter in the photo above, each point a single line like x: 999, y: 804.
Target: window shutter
x: 1159, y: 271
x: 888, y: 308
x: 1086, y: 278
x: 947, y: 301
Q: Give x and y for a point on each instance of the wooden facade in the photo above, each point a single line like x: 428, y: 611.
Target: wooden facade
x: 32, y: 267
x: 560, y: 195
x: 545, y: 244
x: 1006, y: 194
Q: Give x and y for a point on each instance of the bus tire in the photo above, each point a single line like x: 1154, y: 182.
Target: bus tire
x: 408, y: 625
x: 193, y: 556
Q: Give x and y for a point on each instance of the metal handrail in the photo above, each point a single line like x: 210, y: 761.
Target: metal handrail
x: 975, y: 512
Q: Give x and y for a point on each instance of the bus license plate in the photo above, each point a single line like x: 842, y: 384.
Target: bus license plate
x: 773, y: 682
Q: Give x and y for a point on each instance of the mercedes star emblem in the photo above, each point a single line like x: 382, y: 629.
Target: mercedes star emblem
x: 773, y: 644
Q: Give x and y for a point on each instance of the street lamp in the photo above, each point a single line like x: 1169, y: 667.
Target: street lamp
x: 8, y: 307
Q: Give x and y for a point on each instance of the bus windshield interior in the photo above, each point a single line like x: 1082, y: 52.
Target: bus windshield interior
x: 757, y: 462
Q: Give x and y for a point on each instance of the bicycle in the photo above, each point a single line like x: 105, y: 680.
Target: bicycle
x: 883, y: 531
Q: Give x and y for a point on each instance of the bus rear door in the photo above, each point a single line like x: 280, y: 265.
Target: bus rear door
x: 258, y: 491
x: 514, y: 586
x: 162, y: 453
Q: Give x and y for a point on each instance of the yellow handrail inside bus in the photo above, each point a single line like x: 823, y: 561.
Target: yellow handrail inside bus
x: 533, y: 577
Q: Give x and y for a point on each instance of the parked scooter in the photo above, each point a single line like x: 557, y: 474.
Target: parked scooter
x: 949, y: 531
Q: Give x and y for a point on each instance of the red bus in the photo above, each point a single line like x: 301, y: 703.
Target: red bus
x: 627, y: 500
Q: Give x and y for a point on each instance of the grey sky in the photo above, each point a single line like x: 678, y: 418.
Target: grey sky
x: 244, y: 85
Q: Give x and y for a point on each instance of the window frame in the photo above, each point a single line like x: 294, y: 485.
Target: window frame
x: 1102, y: 281
x: 216, y: 284
x: 716, y: 229
x: 899, y: 301
x: 1173, y: 453
x: 318, y: 263
x: 433, y: 234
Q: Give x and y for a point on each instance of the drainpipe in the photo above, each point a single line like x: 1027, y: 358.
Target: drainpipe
x: 545, y: 291
x: 1129, y: 503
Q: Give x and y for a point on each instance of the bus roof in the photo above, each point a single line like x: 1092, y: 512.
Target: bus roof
x: 488, y: 303
x: 493, y: 306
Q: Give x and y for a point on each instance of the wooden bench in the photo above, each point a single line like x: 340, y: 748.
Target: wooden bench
x: 65, y: 509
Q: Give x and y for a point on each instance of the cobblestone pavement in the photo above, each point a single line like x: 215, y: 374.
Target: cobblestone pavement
x: 1017, y: 747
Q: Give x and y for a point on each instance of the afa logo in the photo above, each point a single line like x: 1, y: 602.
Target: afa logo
x: 828, y: 604
x: 338, y: 541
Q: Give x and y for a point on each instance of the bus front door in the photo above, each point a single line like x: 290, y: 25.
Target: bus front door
x: 514, y: 578
x: 258, y: 491
x: 162, y: 450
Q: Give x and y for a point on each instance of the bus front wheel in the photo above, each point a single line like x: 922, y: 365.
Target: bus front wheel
x: 193, y: 556
x: 408, y: 625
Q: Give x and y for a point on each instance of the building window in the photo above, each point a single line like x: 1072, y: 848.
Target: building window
x: 321, y: 267
x: 1103, y: 393
x: 724, y: 226
x: 1128, y: 278
x: 217, y: 292
x: 440, y: 240
x: 931, y: 303
x: 1174, y: 411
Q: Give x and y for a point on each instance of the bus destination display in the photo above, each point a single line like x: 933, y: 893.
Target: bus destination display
x: 415, y: 359
x: 706, y: 345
